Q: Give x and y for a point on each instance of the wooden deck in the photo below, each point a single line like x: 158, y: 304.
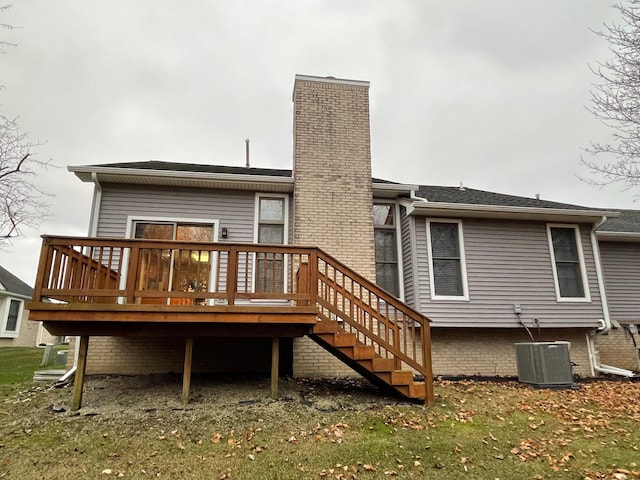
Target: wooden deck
x: 125, y: 287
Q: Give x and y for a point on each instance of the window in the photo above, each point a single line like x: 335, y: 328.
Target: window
x: 386, y: 248
x: 447, y: 273
x: 174, y: 270
x: 11, y: 317
x: 271, y: 220
x: 568, y: 263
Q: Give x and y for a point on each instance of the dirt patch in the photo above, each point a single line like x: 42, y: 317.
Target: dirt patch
x: 223, y: 399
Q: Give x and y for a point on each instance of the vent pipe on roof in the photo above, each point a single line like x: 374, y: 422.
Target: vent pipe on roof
x: 246, y: 142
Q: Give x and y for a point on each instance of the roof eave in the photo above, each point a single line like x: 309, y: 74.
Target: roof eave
x: 461, y: 210
x: 392, y: 190
x: 618, y: 236
x: 183, y: 178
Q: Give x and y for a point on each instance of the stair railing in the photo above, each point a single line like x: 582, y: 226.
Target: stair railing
x: 377, y: 318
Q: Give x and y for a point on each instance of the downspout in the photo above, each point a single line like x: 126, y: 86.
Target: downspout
x: 594, y: 362
x: 414, y: 197
x: 414, y: 252
x: 93, y: 231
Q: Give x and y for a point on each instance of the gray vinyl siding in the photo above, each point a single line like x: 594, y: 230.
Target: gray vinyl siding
x: 507, y: 263
x: 233, y: 209
x: 621, y: 271
x: 406, y: 228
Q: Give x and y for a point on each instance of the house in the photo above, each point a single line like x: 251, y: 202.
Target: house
x: 15, y: 331
x: 619, y: 239
x: 432, y: 279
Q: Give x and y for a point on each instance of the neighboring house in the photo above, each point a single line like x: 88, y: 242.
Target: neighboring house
x: 15, y: 330
x: 487, y: 269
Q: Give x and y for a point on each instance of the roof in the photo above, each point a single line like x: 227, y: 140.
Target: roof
x: 471, y: 196
x: 439, y: 201
x: 197, y: 167
x: 12, y: 284
x: 176, y: 174
x: 433, y: 200
x: 626, y: 227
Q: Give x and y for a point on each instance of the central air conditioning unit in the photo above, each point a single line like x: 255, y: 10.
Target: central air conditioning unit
x: 544, y: 364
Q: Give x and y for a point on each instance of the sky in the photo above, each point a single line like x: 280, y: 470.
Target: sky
x: 491, y: 94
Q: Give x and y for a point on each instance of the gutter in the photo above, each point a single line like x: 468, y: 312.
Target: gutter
x: 466, y: 210
x: 160, y: 177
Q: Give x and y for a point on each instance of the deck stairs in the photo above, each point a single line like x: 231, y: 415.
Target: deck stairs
x: 366, y: 361
x: 374, y: 333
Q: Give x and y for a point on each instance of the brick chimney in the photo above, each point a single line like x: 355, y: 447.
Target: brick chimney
x: 332, y: 170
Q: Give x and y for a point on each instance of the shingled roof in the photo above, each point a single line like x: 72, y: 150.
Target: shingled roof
x: 13, y: 284
x: 471, y: 196
x: 157, y: 165
x: 627, y: 222
x: 196, y: 167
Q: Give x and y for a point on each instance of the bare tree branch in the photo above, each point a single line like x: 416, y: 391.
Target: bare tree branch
x: 615, y: 101
x: 5, y: 26
x: 22, y: 202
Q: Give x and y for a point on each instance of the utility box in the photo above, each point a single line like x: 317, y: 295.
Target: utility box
x: 544, y: 364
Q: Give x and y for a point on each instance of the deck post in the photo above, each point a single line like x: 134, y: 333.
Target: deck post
x: 275, y: 366
x: 78, y: 382
x: 186, y: 375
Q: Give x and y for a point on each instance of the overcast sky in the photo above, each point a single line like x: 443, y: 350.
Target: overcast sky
x: 489, y: 93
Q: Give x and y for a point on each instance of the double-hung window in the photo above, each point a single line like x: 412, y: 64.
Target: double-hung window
x: 10, y: 317
x: 568, y: 262
x: 271, y: 220
x: 386, y: 248
x: 447, y: 274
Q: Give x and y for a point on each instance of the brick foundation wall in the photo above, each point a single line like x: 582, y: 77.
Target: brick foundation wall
x: 137, y: 356
x: 311, y: 360
x: 617, y: 350
x: 490, y: 352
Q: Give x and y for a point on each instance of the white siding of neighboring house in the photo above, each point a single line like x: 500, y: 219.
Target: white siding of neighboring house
x: 508, y: 262
x: 621, y: 269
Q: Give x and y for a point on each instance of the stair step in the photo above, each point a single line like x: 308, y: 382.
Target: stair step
x: 339, y: 339
x: 397, y: 377
x: 415, y: 390
x: 359, y: 352
x: 345, y: 339
x: 326, y: 326
x: 380, y: 364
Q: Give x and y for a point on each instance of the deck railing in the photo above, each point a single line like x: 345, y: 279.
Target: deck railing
x: 131, y: 271
x: 195, y: 274
x: 377, y: 318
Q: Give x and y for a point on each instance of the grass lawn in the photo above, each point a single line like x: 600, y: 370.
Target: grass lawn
x: 17, y: 364
x: 136, y: 427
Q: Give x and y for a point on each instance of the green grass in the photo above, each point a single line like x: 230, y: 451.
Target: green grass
x: 17, y: 364
x: 476, y: 430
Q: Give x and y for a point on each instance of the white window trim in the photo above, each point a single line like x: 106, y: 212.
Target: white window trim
x: 285, y: 233
x: 129, y: 231
x: 4, y: 314
x: 398, y: 245
x: 463, y: 262
x: 583, y: 269
x: 256, y: 215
